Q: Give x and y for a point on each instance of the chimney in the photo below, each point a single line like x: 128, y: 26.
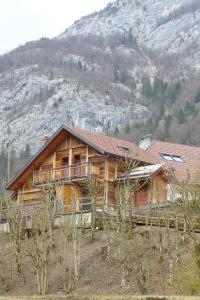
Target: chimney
x: 145, y: 141
x: 45, y: 139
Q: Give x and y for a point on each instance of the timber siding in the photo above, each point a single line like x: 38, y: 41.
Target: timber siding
x: 68, y: 160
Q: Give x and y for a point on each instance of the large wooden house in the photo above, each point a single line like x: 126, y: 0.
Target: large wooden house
x: 71, y: 156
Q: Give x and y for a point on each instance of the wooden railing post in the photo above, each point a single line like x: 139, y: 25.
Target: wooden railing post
x: 70, y: 162
x: 87, y: 161
x: 54, y: 165
x: 33, y: 177
x: 69, y: 172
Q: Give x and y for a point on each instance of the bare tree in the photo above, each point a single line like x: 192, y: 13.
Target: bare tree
x: 93, y: 186
x: 126, y: 189
x: 15, y: 230
x: 41, y: 243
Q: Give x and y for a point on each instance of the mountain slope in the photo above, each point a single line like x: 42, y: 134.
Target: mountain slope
x: 97, y: 75
x: 168, y: 25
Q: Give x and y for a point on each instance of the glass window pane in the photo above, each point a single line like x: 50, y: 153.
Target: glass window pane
x: 177, y: 158
x: 167, y: 157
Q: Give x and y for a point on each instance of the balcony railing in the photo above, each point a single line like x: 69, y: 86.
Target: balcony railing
x: 62, y: 174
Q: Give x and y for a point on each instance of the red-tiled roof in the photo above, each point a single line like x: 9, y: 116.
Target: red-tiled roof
x: 190, y: 167
x: 105, y: 145
x: 113, y: 146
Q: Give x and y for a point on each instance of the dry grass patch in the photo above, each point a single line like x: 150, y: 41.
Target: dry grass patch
x: 102, y: 297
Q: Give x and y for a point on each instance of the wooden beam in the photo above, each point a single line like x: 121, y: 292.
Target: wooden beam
x: 87, y: 155
x: 106, y: 169
x: 106, y: 194
x: 116, y: 169
x: 70, y: 155
x: 87, y: 159
x: 54, y: 163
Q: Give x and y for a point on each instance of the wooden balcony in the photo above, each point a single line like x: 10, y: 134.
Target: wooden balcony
x: 64, y: 174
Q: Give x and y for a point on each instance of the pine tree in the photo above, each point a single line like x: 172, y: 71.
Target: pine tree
x: 3, y: 164
x: 147, y: 89
x: 27, y: 151
x: 197, y: 96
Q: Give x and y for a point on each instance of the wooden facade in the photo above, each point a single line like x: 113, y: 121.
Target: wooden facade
x: 67, y: 161
x: 154, y: 191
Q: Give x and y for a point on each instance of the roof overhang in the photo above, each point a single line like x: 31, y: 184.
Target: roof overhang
x: 47, y: 148
x: 144, y: 172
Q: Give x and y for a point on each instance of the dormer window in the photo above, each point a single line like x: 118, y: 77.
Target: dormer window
x: 172, y: 157
x: 123, y: 148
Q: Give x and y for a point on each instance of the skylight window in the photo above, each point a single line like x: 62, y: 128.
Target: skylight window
x: 123, y: 148
x: 177, y: 158
x: 167, y: 156
x: 172, y: 157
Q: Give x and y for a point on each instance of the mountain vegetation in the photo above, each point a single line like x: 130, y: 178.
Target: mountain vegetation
x: 128, y: 70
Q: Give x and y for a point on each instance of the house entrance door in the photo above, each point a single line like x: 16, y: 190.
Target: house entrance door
x: 67, y: 198
x: 142, y: 196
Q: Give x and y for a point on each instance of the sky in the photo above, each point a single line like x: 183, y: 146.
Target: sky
x: 27, y: 20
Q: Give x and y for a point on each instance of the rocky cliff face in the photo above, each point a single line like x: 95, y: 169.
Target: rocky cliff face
x: 171, y: 26
x: 36, y: 106
x: 91, y: 75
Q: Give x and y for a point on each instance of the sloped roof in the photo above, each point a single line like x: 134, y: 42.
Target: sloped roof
x: 105, y: 145
x: 189, y: 168
x: 145, y: 171
x: 110, y: 145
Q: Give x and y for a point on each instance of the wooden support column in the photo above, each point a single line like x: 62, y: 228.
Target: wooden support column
x: 87, y: 169
x: 70, y: 156
x: 18, y: 197
x: 74, y: 198
x: 106, y: 194
x: 116, y: 169
x: 106, y: 169
x: 151, y: 191
x: 106, y: 182
x: 54, y: 160
x: 54, y: 164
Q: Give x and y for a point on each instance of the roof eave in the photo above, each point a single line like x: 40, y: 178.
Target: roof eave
x: 63, y: 127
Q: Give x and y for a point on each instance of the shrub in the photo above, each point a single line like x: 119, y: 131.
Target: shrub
x: 186, y: 279
x: 3, y: 163
x: 189, y: 108
x: 115, y: 73
x: 147, y: 89
x: 159, y: 86
x: 127, y: 128
x: 180, y: 115
x: 197, y: 97
x: 173, y: 91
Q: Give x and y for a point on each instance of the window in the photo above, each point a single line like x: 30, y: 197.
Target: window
x: 172, y: 157
x: 65, y: 161
x: 76, y: 159
x: 123, y: 148
x: 167, y: 156
x: 177, y: 158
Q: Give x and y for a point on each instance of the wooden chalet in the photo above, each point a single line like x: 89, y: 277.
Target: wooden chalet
x: 70, y: 157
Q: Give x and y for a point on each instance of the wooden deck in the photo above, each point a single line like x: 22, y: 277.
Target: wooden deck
x: 159, y: 218
x: 63, y: 174
x: 143, y: 217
